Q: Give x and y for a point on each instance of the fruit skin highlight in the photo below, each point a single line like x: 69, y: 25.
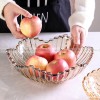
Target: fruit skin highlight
x: 57, y: 65
x: 31, y: 27
x: 37, y: 62
x: 46, y: 50
x: 68, y: 55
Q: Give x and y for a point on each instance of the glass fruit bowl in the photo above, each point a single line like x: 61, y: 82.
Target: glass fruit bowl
x: 27, y: 47
x: 91, y: 84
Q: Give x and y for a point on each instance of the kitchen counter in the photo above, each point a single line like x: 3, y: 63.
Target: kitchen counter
x: 14, y: 86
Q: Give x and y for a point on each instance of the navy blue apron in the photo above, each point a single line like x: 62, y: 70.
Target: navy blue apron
x: 53, y: 13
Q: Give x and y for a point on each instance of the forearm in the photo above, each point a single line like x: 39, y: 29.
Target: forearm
x: 83, y: 14
x: 3, y: 3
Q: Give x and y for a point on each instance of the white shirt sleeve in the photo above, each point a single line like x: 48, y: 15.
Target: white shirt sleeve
x: 2, y: 5
x: 82, y: 13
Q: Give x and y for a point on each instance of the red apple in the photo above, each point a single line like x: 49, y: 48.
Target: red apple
x: 68, y: 55
x: 31, y: 27
x: 46, y: 50
x: 37, y: 62
x: 56, y: 66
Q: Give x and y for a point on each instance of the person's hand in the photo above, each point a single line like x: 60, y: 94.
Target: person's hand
x: 78, y: 35
x: 11, y: 12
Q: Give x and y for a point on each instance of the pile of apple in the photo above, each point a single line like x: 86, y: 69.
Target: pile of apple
x: 45, y: 57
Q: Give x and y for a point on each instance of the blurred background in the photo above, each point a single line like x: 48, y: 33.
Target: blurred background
x: 96, y: 23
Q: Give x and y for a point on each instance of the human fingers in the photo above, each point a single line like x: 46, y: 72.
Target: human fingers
x: 24, y: 12
x: 82, y: 37
x: 76, y: 37
x: 14, y: 28
x: 76, y: 48
x: 75, y: 43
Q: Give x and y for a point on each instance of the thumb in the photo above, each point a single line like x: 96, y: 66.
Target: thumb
x: 25, y: 13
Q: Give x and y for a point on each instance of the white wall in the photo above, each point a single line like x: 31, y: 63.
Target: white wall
x: 96, y: 23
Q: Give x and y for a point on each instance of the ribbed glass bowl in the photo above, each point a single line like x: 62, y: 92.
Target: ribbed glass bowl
x: 91, y: 84
x: 27, y: 47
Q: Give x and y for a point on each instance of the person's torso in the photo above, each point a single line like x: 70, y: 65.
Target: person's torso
x: 53, y: 13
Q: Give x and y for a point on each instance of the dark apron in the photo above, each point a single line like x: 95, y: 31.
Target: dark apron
x: 54, y: 15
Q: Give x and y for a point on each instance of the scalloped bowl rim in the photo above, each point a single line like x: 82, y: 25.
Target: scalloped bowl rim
x: 71, y: 68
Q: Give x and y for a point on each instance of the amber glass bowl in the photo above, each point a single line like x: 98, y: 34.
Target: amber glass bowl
x: 91, y: 84
x: 27, y: 47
